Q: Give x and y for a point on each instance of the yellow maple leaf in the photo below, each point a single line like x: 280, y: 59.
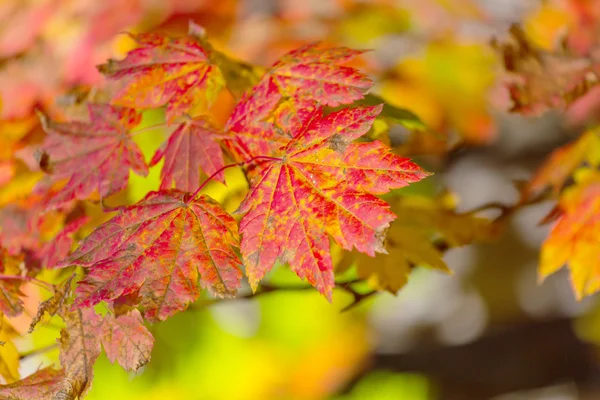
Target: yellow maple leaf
x: 411, y: 241
x: 574, y: 239
x: 9, y: 356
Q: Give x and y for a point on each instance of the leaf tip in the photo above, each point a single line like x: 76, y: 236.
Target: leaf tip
x: 196, y: 30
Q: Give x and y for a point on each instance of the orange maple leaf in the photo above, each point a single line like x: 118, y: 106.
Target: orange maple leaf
x: 574, y: 239
x: 322, y: 184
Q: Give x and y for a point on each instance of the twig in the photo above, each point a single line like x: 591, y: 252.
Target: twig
x: 35, y: 352
x: 25, y: 278
x: 210, y: 178
x: 268, y: 288
x: 358, y: 297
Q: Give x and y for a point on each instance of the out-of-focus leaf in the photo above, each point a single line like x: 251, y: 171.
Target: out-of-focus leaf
x: 9, y: 356
x: 563, y: 162
x: 410, y: 241
x: 59, y: 247
x: 366, y: 22
x: 574, y: 239
x: 544, y: 80
x: 124, y: 338
x: 398, y: 115
x: 104, y: 146
x: 10, y: 288
x: 44, y: 384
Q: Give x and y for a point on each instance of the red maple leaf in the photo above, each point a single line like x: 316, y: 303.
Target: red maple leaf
x: 287, y: 97
x: 159, y: 251
x: 124, y: 338
x: 189, y: 149
x: 94, y: 155
x: 319, y: 75
x: 322, y: 184
x: 45, y: 383
x: 163, y: 70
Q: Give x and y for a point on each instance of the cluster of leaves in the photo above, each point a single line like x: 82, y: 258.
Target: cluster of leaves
x: 302, y: 132
x: 563, y: 72
x: 312, y: 177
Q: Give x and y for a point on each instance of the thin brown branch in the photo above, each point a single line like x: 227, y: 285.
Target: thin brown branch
x: 38, y: 351
x: 26, y: 278
x: 266, y: 288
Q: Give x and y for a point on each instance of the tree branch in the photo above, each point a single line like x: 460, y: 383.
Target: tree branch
x: 266, y: 288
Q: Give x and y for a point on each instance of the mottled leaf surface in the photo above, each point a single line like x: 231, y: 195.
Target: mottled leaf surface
x: 94, y: 155
x: 563, y: 162
x: 165, y: 71
x: 43, y: 384
x: 322, y: 185
x: 191, y: 148
x: 288, y: 95
x: 79, y: 348
x: 126, y: 340
x: 162, y: 249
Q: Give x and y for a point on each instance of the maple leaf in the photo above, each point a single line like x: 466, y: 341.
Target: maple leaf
x: 95, y: 155
x: 564, y: 161
x: 322, y: 184
x: 124, y: 338
x: 164, y: 70
x: 160, y: 249
x: 573, y: 240
x: 190, y: 147
x: 287, y: 97
x: 10, y: 288
x: 317, y: 73
x: 46, y: 383
x: 411, y: 241
x: 544, y: 80
x: 9, y: 355
x: 16, y: 234
x: 79, y: 349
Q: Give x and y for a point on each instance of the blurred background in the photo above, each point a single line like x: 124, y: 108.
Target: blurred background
x: 488, y: 331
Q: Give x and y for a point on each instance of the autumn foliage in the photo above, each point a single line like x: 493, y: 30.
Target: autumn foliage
x: 322, y: 195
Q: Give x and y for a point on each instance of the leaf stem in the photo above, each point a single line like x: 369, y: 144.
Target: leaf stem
x: 210, y: 178
x: 135, y: 132
x: 24, y: 278
x: 38, y: 351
